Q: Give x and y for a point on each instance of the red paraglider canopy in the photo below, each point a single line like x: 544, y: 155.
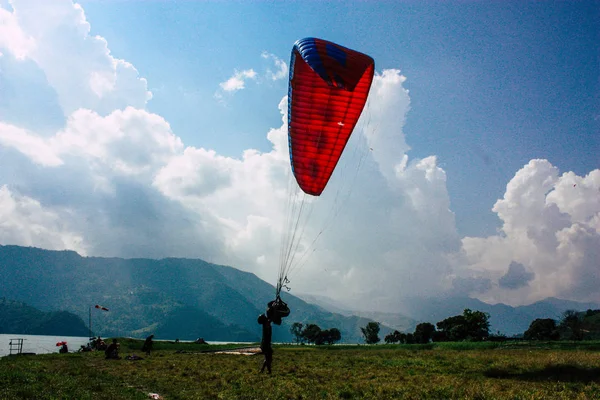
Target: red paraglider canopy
x: 328, y: 89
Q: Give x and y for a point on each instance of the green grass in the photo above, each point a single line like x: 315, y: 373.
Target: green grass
x: 514, y: 370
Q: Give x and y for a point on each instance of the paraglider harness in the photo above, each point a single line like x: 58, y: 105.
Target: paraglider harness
x: 276, y: 310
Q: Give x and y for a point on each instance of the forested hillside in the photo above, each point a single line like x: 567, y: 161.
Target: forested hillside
x: 18, y: 317
x: 173, y: 298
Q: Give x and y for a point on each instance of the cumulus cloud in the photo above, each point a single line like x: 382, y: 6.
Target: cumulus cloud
x: 12, y: 38
x: 550, y: 228
x: 281, y: 68
x: 244, y: 195
x: 25, y: 222
x: 97, y: 181
x: 114, y: 180
x: 85, y: 75
x: 130, y: 141
x: 35, y: 147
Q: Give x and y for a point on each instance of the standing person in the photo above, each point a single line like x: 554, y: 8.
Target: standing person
x: 265, y: 343
x: 147, y: 347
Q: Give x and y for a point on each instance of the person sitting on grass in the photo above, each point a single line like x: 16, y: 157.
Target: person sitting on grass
x: 112, y: 351
x: 98, y: 343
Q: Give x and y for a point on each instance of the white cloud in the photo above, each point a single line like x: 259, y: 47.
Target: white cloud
x: 238, y: 80
x: 281, y: 68
x: 129, y: 142
x: 25, y: 222
x: 578, y: 196
x: 12, y: 38
x: 550, y: 227
x: 388, y: 106
x: 242, y: 196
x: 33, y: 146
x: 80, y: 68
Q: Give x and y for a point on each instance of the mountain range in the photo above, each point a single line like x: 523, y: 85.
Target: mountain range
x: 505, y: 319
x: 191, y: 298
x: 171, y: 298
x: 20, y: 318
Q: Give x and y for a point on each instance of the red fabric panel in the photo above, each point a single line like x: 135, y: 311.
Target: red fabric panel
x: 323, y: 117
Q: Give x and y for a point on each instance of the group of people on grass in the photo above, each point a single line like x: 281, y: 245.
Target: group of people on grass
x: 275, y: 312
x: 112, y: 351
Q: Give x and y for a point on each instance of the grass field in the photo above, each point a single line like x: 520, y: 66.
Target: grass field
x: 514, y: 370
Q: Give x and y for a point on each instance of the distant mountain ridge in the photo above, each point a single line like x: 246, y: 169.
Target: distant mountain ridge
x: 395, y: 321
x: 20, y: 318
x: 190, y: 298
x: 503, y: 318
x: 172, y: 298
x: 506, y: 319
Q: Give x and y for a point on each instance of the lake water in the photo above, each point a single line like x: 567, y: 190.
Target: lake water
x: 40, y: 344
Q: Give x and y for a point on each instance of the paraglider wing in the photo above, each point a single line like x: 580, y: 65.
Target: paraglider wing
x: 328, y: 89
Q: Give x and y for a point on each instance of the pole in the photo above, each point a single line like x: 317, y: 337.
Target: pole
x: 90, y: 322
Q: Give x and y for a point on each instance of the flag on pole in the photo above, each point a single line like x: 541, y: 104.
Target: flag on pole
x: 101, y: 307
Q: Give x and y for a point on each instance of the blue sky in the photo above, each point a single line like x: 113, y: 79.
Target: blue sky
x: 158, y: 129
x: 492, y: 84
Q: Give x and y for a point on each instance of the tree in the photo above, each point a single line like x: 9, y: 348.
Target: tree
x: 542, y: 329
x: 591, y: 313
x: 321, y: 336
x: 391, y: 338
x: 395, y: 337
x: 424, y: 332
x: 453, y: 328
x: 472, y: 325
x: 478, y: 325
x: 334, y: 335
x: 328, y: 336
x: 296, y: 330
x: 440, y: 336
x: 572, y: 322
x: 371, y: 333
x: 311, y: 333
